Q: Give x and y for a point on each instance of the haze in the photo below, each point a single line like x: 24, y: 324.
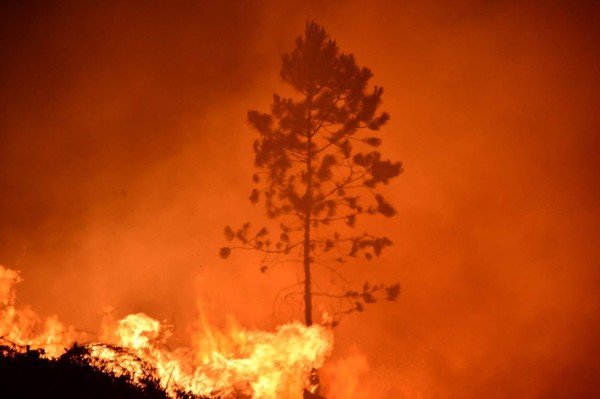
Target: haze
x: 124, y: 151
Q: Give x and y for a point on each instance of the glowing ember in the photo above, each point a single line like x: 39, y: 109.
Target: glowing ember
x: 235, y: 361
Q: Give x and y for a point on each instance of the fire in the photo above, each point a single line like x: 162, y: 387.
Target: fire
x: 25, y: 327
x: 232, y: 362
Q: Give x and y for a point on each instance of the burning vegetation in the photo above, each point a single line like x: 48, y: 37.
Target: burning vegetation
x: 317, y: 162
x: 130, y: 357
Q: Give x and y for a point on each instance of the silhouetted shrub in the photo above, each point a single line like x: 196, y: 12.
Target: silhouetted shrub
x: 26, y: 374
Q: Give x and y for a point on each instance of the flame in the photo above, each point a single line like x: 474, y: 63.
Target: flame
x: 220, y: 362
x: 25, y: 327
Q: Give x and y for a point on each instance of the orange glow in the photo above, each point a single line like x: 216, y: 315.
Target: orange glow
x: 124, y: 151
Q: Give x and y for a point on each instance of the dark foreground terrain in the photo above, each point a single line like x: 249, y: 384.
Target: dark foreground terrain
x: 25, y: 374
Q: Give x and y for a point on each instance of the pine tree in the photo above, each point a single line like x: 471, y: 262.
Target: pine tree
x: 318, y: 167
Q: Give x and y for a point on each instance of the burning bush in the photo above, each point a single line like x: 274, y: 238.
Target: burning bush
x: 134, y: 361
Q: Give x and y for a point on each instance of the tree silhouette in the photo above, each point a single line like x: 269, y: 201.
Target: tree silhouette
x: 318, y: 167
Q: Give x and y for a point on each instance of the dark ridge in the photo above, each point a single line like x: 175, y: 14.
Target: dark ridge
x: 26, y: 374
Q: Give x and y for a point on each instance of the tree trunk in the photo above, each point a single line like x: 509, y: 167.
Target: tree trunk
x: 307, y: 283
x: 308, y: 212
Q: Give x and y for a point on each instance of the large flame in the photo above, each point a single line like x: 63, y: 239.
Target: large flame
x: 219, y: 362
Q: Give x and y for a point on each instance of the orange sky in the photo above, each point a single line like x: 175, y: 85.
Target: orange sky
x: 124, y: 151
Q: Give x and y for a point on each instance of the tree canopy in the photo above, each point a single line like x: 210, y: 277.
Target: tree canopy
x: 318, y: 168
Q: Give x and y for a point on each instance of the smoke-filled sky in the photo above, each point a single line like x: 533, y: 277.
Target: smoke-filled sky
x: 124, y: 151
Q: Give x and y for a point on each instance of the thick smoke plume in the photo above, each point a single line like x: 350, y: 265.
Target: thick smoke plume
x: 124, y: 151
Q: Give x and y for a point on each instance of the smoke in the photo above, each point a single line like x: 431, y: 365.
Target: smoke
x: 124, y: 152
x: 348, y: 378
